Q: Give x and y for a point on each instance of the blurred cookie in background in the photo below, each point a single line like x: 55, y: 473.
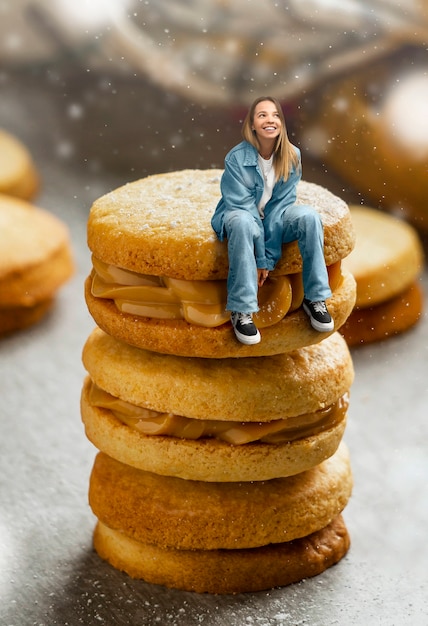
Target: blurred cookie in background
x: 18, y: 173
x: 35, y: 261
x: 386, y: 262
x: 372, y: 131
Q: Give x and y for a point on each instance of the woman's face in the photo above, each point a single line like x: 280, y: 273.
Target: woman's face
x: 266, y: 121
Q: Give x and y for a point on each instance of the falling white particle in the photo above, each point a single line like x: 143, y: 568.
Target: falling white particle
x: 75, y: 111
x: 64, y: 149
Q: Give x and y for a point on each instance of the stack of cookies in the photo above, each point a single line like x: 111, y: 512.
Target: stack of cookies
x: 221, y: 467
x: 387, y: 263
x: 36, y: 257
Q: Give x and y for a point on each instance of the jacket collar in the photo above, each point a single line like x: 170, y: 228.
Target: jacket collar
x: 250, y: 155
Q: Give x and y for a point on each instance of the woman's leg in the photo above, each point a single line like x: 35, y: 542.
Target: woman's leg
x: 242, y: 231
x: 303, y: 223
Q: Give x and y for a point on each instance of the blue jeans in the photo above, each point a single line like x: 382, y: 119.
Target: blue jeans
x: 296, y: 222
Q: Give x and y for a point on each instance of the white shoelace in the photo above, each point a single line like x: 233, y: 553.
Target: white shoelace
x: 319, y: 307
x: 245, y: 318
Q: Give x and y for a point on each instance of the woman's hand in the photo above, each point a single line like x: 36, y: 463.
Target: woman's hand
x: 262, y: 274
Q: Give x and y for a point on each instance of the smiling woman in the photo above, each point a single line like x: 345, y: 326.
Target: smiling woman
x: 267, y: 126
x: 257, y: 214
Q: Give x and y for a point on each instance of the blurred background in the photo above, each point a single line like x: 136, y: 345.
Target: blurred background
x: 134, y: 87
x: 103, y: 92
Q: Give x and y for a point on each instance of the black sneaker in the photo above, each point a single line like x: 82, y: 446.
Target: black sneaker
x: 319, y: 315
x: 245, y: 329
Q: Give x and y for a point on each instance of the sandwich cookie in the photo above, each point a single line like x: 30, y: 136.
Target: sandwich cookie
x: 159, y: 273
x: 386, y: 263
x: 35, y: 261
x: 216, y: 420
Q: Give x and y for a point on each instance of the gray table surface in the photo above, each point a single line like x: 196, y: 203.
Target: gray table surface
x: 49, y: 573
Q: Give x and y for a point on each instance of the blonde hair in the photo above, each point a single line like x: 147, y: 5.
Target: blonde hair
x: 285, y: 155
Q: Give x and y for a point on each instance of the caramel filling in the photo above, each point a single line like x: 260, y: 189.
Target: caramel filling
x: 200, y: 302
x: 151, y: 422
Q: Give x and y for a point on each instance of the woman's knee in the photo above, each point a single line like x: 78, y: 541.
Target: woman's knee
x: 301, y: 221
x: 240, y: 222
x: 307, y: 214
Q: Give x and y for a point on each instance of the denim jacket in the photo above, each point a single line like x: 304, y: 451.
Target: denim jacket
x: 242, y: 188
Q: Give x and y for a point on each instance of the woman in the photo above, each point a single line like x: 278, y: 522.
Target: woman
x: 257, y: 213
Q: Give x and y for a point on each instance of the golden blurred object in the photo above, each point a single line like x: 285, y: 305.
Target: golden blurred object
x: 373, y: 131
x: 36, y: 260
x: 379, y: 322
x: 387, y: 257
x: 387, y: 263
x: 18, y: 175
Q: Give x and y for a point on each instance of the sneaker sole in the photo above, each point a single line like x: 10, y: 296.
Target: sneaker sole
x: 247, y: 340
x: 321, y: 328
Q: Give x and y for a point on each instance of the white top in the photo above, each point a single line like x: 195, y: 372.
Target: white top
x: 268, y: 172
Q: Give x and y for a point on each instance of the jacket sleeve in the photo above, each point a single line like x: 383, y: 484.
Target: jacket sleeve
x: 239, y: 192
x: 238, y: 187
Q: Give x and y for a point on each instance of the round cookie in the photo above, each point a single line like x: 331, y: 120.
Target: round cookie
x: 153, y: 238
x: 18, y: 174
x: 387, y: 257
x: 386, y: 263
x: 171, y: 512
x: 206, y: 459
x: 35, y: 260
x: 225, y: 571
x: 184, y: 339
x: 18, y: 318
x: 295, y: 388
x: 161, y: 225
x: 249, y: 390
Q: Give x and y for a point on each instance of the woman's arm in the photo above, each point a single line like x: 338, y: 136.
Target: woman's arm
x: 241, y: 191
x: 239, y: 187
